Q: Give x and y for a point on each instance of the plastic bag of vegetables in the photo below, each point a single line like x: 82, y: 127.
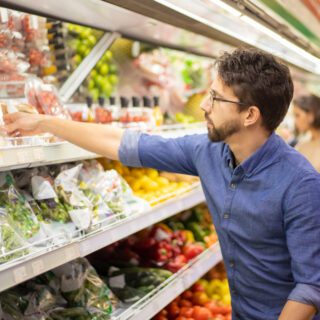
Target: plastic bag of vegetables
x: 74, y: 200
x: 131, y: 284
x: 9, y: 240
x: 19, y: 212
x: 81, y: 286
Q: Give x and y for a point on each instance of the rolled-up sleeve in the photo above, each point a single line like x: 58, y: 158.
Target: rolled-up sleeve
x: 152, y: 151
x: 302, y: 224
x: 129, y: 151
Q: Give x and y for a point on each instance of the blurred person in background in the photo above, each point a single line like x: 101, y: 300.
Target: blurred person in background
x: 307, y: 120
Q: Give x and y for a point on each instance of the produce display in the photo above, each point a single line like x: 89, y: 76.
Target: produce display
x: 169, y: 245
x: 18, y: 212
x: 152, y: 185
x: 73, y: 291
x: 207, y: 299
x: 103, y: 78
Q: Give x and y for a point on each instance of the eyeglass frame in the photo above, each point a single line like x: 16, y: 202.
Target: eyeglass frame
x: 213, y: 99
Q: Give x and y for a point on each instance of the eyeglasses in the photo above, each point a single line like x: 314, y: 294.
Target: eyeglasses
x: 213, y: 98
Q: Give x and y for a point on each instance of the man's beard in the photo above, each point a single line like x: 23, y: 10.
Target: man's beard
x: 222, y: 133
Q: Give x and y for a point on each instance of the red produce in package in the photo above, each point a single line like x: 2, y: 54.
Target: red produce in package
x: 45, y: 98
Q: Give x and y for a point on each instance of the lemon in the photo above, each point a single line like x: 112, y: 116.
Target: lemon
x: 162, y: 181
x: 152, y: 173
x: 136, y: 185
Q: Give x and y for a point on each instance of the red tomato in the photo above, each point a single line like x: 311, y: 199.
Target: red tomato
x: 187, y: 295
x: 185, y: 303
x: 201, y: 313
x: 173, y: 310
x: 197, y: 287
x: 186, y: 312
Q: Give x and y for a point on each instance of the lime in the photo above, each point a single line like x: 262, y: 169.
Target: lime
x: 81, y: 49
x: 94, y: 93
x: 77, y: 59
x: 91, y: 84
x: 92, y: 40
x: 113, y: 68
x: 104, y: 69
x: 108, y: 55
x: 113, y: 79
x: 93, y: 73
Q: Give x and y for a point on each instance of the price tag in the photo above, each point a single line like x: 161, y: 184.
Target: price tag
x: 37, y: 267
x: 20, y: 274
x: 38, y: 154
x: 71, y: 253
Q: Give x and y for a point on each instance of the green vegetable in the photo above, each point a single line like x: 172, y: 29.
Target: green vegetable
x: 9, y: 241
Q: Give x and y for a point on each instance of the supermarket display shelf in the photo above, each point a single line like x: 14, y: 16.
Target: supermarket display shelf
x: 156, y: 300
x: 31, y: 265
x: 61, y: 152
x: 124, y: 228
x: 33, y: 156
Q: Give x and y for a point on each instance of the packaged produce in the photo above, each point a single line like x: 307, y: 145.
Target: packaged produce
x: 19, y: 212
x: 9, y: 240
x: 115, y: 191
x: 73, y: 292
x: 73, y: 199
x: 82, y: 287
x: 51, y: 209
x: 131, y: 284
x: 45, y: 98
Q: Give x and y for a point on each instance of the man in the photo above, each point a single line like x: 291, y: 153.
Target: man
x: 263, y: 196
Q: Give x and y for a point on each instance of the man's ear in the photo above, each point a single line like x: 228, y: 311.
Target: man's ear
x: 251, y: 116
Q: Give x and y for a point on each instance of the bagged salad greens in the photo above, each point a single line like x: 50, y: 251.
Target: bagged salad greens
x: 74, y: 200
x: 9, y: 240
x: 19, y: 213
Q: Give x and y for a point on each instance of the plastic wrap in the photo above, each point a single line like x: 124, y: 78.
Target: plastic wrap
x: 75, y: 201
x: 45, y: 98
x: 9, y: 240
x: 19, y: 212
x: 82, y: 287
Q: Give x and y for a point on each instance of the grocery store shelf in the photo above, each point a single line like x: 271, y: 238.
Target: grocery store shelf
x: 123, y: 228
x: 33, y: 156
x: 18, y: 271
x: 22, y: 269
x: 62, y: 152
x: 156, y: 300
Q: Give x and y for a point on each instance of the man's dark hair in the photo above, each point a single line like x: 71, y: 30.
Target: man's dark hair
x: 257, y: 79
x: 310, y: 104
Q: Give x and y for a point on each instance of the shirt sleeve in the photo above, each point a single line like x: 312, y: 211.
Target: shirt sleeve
x: 173, y: 155
x: 302, y: 224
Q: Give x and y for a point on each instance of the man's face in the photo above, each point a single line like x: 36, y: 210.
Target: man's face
x: 223, y: 118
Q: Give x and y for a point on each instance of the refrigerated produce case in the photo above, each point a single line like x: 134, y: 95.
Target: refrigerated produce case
x: 29, y: 261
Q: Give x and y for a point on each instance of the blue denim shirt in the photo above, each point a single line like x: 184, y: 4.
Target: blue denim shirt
x: 266, y: 212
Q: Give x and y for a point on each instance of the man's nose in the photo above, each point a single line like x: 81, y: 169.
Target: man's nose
x: 205, y: 106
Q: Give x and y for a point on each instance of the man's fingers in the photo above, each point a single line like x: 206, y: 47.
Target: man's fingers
x: 11, y: 127
x: 12, y: 117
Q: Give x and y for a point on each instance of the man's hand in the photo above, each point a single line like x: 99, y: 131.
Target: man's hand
x: 294, y: 310
x: 98, y: 138
x: 23, y: 123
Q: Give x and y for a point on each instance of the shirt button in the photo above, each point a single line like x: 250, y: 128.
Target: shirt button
x: 233, y: 291
x: 231, y: 264
x: 233, y: 185
x: 226, y: 216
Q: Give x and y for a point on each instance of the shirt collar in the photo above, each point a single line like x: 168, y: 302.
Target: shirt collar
x: 264, y: 156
